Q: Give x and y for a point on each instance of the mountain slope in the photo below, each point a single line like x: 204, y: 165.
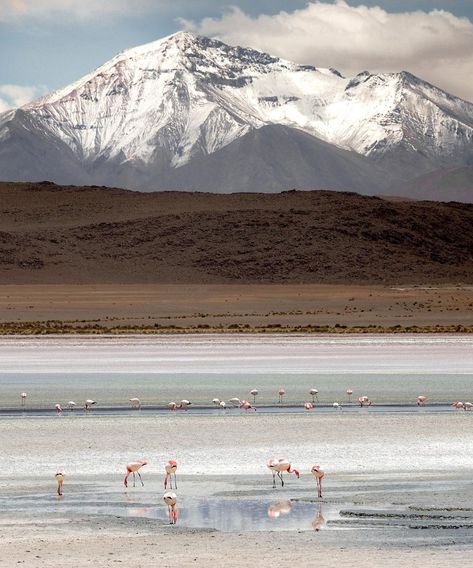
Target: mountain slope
x: 54, y: 234
x: 170, y: 104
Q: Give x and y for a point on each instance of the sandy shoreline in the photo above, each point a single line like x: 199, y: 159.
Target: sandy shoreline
x: 155, y: 308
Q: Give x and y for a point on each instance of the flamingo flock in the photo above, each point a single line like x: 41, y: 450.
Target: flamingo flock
x: 235, y: 402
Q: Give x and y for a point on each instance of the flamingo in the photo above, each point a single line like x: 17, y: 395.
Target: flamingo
x: 135, y: 403
x: 170, y: 498
x: 71, y: 405
x: 89, y: 403
x: 235, y: 401
x: 278, y: 467
x: 170, y: 468
x: 349, y: 393
x: 420, y: 400
x: 134, y: 467
x: 467, y: 405
x: 279, y: 509
x: 216, y: 401
x: 23, y: 399
x: 318, y: 474
x: 313, y: 393
x: 222, y: 405
x: 184, y: 404
x: 60, y: 480
x: 281, y: 393
x: 364, y: 401
x: 458, y: 405
x: 58, y: 409
x: 172, y: 406
x: 245, y: 405
x: 254, y: 394
x: 308, y: 405
x: 337, y: 406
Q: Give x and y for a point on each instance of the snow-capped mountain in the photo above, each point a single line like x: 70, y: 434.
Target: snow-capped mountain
x: 154, y: 115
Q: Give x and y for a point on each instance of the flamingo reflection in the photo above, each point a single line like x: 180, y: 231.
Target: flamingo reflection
x: 279, y: 509
x: 318, y: 521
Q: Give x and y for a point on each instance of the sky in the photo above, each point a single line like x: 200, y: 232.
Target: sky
x: 47, y: 44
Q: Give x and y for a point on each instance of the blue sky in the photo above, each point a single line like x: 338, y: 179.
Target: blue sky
x: 46, y: 44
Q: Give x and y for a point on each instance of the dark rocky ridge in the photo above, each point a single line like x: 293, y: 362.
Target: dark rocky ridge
x: 54, y: 234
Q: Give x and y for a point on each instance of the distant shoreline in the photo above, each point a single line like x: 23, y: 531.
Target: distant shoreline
x: 74, y: 328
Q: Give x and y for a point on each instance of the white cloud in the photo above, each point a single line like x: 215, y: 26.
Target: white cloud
x: 13, y: 96
x: 436, y: 45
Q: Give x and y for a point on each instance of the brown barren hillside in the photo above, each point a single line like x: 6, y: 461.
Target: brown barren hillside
x: 53, y: 234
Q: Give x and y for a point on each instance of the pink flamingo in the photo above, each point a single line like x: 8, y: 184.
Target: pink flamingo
x: 308, y: 405
x: 170, y: 498
x: 364, y: 401
x: 170, y: 469
x: 281, y: 393
x: 278, y: 467
x: 467, y: 405
x: 89, y: 403
x: 420, y: 400
x: 458, y: 405
x: 23, y: 399
x: 58, y: 409
x: 172, y: 406
x: 349, y: 393
x: 135, y: 403
x: 319, y: 475
x: 184, y: 404
x: 245, y: 405
x: 60, y: 480
x: 254, y: 394
x: 216, y: 401
x: 134, y: 467
x: 318, y: 522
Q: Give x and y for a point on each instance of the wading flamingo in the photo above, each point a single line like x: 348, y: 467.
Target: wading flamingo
x: 216, y: 401
x: 23, y: 399
x: 134, y: 468
x: 170, y: 469
x: 135, y: 403
x: 254, y: 394
x: 89, y: 403
x: 223, y: 405
x: 58, y: 409
x: 458, y: 405
x: 170, y: 498
x: 308, y: 405
x: 467, y: 405
x: 314, y: 394
x: 60, y: 480
x: 71, y: 405
x: 245, y: 405
x: 184, y: 404
x: 281, y: 393
x: 337, y: 406
x: 278, y: 467
x: 349, y: 393
x: 420, y: 400
x: 364, y: 401
x: 319, y: 475
x: 235, y: 401
x: 172, y: 406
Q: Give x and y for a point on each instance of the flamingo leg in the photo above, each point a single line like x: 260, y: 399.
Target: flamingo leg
x: 139, y: 475
x: 175, y: 482
x: 274, y: 480
x: 134, y: 479
x: 320, y: 488
x: 280, y: 477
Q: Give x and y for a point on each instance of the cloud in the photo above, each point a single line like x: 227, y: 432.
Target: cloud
x: 13, y: 96
x: 436, y: 45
